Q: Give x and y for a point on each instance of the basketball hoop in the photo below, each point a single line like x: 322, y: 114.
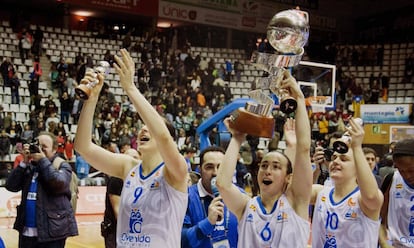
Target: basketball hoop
x: 320, y: 100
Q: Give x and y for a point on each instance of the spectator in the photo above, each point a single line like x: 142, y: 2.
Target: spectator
x: 109, y: 57
x: 5, y: 145
x: 38, y: 41
x: 238, y: 69
x: 69, y: 148
x: 52, y: 118
x: 14, y: 132
x: 76, y: 108
x: 14, y: 85
x: 27, y: 135
x: 34, y: 80
x: 241, y: 171
x: 371, y: 156
x: 45, y: 193
x: 65, y: 107
x: 208, y: 222
x: 5, y: 67
x: 25, y: 44
x: 50, y: 106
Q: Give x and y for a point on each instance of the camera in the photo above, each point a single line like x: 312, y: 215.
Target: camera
x: 34, y: 147
x: 328, y: 152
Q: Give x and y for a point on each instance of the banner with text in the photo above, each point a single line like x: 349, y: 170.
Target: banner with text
x: 385, y: 113
x: 91, y: 200
x: 139, y: 7
x: 244, y: 15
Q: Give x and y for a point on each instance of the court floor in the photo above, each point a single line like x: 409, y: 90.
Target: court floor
x: 88, y: 226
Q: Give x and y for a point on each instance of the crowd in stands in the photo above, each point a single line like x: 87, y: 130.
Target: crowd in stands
x: 184, y: 87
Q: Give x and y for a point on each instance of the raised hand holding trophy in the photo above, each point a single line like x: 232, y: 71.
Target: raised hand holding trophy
x: 84, y: 90
x: 287, y: 32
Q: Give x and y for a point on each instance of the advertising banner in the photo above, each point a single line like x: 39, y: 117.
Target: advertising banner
x: 91, y: 201
x: 385, y: 113
x: 139, y: 7
x: 246, y: 15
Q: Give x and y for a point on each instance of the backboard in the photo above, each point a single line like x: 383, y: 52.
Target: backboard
x: 317, y: 82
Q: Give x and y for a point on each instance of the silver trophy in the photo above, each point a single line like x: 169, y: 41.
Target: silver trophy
x: 84, y: 90
x: 287, y: 33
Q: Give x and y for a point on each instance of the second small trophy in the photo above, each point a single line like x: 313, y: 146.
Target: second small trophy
x: 84, y: 90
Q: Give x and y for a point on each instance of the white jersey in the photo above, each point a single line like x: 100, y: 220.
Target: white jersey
x: 401, y: 213
x: 342, y: 224
x: 151, y: 212
x: 280, y: 228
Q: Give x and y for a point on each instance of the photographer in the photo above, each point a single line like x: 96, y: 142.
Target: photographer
x: 44, y: 217
x: 321, y: 158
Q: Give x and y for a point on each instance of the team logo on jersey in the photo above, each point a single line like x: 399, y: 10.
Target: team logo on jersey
x: 330, y: 241
x: 398, y: 195
x: 253, y: 207
x: 128, y: 184
x: 351, y: 214
x: 155, y: 184
x: 399, y: 186
x: 323, y: 199
x: 282, y: 217
x: 319, y: 208
x: 351, y: 203
x: 132, y: 174
x: 135, y: 221
x: 249, y: 218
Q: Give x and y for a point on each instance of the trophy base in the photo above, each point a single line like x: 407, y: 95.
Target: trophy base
x: 253, y: 124
x: 288, y: 105
x: 83, y: 92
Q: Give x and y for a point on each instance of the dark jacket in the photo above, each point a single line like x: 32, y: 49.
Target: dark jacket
x: 54, y: 215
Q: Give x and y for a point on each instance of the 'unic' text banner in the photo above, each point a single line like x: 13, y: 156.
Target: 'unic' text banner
x: 385, y: 113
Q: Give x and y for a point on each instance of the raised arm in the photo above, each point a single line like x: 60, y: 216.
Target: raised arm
x: 234, y: 199
x: 113, y: 164
x: 371, y: 198
x: 300, y: 190
x: 290, y: 138
x: 175, y: 165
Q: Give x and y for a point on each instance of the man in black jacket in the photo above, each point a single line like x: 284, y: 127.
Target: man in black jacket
x: 45, y: 217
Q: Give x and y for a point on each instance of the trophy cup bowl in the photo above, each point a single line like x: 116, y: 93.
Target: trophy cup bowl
x: 84, y: 90
x: 253, y: 124
x: 288, y: 31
